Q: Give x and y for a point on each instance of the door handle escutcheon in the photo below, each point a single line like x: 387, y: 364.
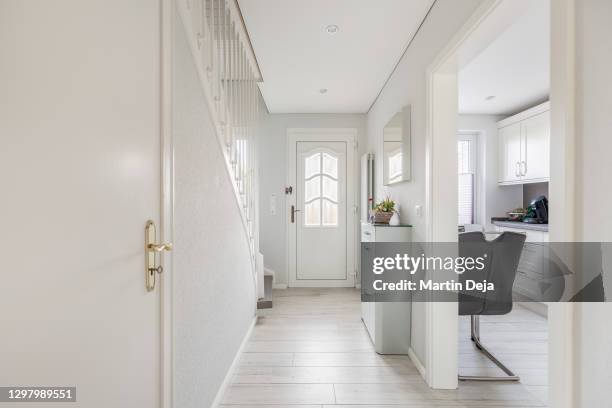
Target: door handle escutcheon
x: 151, y: 258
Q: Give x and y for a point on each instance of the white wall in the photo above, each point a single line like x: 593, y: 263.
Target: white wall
x: 214, y: 297
x: 408, y: 86
x: 593, y: 192
x: 273, y: 178
x: 493, y: 200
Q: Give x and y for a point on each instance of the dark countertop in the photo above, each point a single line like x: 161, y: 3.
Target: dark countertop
x: 519, y: 225
x: 387, y: 225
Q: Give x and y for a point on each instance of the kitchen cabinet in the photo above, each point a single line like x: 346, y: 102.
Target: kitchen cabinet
x: 510, y: 153
x: 536, y: 147
x: 524, y: 146
x: 529, y: 274
x: 531, y: 235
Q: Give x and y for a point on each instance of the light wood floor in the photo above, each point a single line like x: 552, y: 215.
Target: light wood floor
x: 311, y: 350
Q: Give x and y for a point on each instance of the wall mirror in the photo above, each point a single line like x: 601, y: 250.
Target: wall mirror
x: 396, y: 148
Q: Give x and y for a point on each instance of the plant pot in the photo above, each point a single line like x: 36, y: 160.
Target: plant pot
x: 382, y: 217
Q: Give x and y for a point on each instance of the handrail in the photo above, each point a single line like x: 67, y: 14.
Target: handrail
x: 229, y: 74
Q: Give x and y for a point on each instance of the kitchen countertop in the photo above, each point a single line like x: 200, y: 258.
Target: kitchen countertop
x: 519, y: 225
x: 387, y: 225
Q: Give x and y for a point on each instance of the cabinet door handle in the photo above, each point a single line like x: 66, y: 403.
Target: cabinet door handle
x: 524, y: 167
x: 517, y: 171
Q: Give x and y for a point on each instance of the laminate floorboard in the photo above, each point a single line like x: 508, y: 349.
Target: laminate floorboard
x: 311, y: 351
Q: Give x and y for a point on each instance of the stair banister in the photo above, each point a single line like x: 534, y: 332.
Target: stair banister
x: 228, y: 74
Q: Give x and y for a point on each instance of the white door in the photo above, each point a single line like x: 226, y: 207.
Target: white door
x: 80, y: 176
x: 536, y: 151
x: 510, y: 146
x: 322, y: 213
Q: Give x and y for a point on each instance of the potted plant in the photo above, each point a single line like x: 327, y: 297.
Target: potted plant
x: 383, y: 211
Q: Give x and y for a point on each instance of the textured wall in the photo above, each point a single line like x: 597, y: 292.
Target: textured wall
x: 214, y: 289
x: 407, y: 85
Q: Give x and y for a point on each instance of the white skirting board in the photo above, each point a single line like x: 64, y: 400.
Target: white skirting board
x: 230, y: 373
x: 417, y: 363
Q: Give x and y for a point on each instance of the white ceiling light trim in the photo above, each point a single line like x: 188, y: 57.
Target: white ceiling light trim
x: 332, y: 29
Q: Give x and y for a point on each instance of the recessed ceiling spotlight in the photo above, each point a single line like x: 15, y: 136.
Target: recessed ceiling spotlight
x: 323, y: 90
x: 332, y: 29
x: 490, y: 97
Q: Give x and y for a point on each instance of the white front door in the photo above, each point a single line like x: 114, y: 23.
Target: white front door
x: 321, y: 211
x: 80, y: 176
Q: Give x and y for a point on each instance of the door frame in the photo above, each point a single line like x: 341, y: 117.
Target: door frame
x: 167, y: 205
x: 349, y: 136
x: 441, y: 113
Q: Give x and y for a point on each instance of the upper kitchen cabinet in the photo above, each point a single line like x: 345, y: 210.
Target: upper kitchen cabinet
x: 524, y: 146
x: 510, y: 153
x: 536, y: 147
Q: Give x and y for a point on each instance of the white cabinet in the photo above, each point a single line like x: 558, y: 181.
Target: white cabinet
x: 510, y: 153
x: 536, y: 147
x: 524, y: 146
x: 387, y: 323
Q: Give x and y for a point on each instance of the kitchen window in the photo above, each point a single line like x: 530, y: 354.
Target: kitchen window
x: 466, y: 159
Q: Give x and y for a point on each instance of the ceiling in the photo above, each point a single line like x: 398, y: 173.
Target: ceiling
x: 298, y: 57
x: 514, y: 67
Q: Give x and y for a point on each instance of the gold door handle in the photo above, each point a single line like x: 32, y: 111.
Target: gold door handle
x: 151, y: 258
x: 160, y: 247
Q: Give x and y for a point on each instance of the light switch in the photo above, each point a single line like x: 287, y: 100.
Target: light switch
x: 273, y: 204
x: 418, y: 210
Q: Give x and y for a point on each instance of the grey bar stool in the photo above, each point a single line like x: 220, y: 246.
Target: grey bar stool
x: 501, y: 263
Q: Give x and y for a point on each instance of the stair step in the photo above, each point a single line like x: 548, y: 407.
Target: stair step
x: 266, y: 302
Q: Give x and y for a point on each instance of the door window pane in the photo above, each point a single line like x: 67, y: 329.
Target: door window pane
x: 330, y: 213
x: 312, y: 165
x: 312, y: 189
x: 330, y: 165
x: 330, y: 189
x: 320, y: 190
x: 312, y: 216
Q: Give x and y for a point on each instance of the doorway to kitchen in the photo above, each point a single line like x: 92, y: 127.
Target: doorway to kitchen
x: 547, y: 347
x: 321, y: 207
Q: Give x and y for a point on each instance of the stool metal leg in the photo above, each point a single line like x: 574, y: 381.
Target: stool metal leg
x: 475, y: 334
